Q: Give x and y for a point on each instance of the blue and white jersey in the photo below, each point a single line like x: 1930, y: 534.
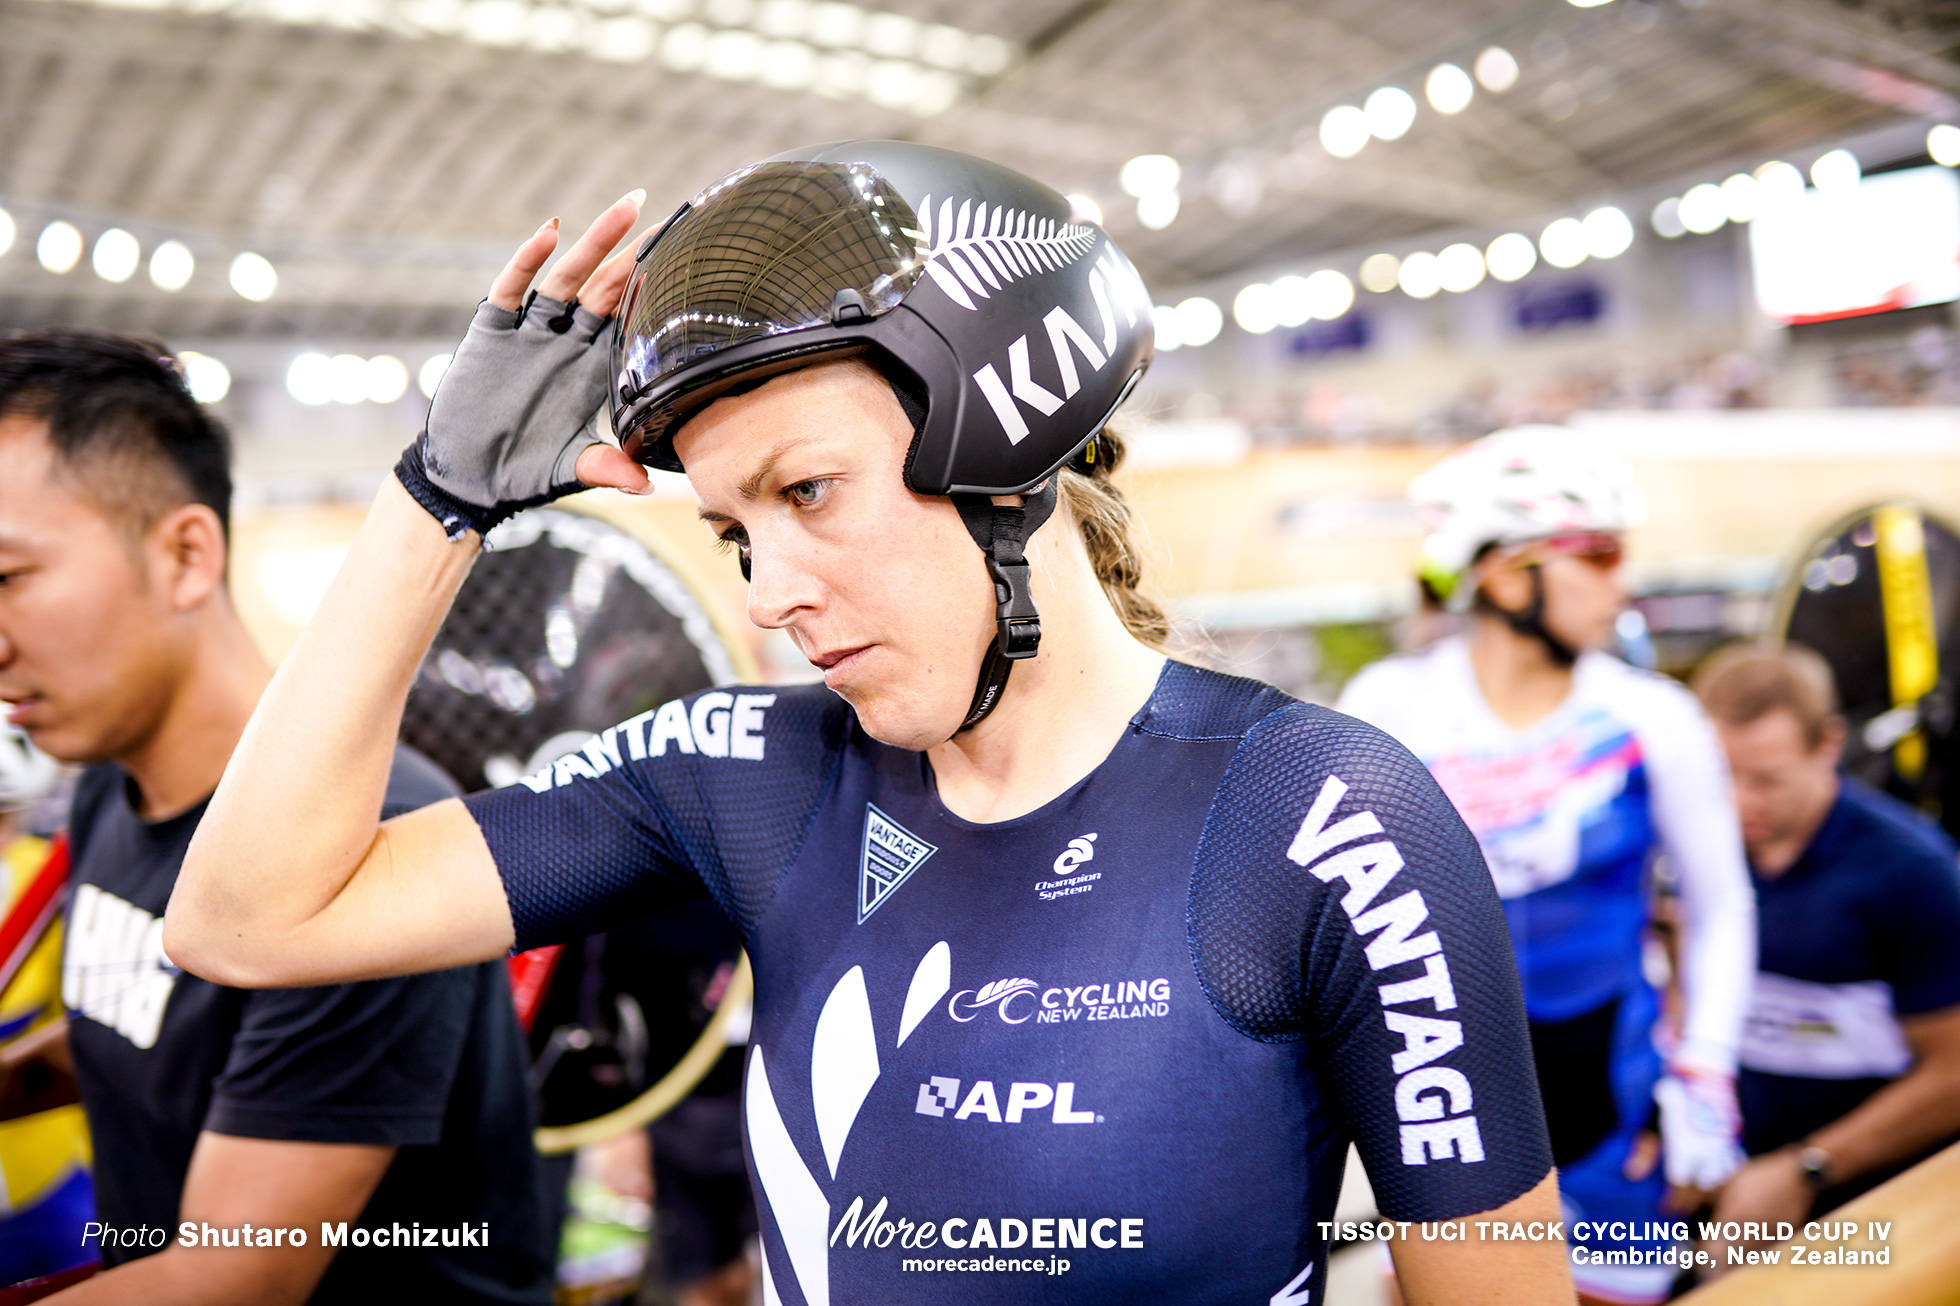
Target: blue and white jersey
x: 1119, y: 1044
x: 1570, y: 812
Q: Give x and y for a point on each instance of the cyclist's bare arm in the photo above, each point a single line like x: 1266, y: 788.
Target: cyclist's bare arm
x: 292, y: 877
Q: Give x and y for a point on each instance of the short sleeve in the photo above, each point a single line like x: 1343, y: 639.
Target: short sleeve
x: 368, y: 1063
x: 710, y: 794
x: 1920, y: 927
x: 1339, y: 899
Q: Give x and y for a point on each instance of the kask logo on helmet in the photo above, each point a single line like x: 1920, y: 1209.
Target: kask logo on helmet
x: 1066, y: 338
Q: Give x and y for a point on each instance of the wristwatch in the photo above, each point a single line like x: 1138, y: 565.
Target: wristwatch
x: 1815, y: 1163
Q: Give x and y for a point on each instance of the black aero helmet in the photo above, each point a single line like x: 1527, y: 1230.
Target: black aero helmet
x: 1011, y: 333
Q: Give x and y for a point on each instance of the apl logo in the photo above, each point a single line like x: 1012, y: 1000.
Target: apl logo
x: 1080, y: 849
x: 1000, y: 995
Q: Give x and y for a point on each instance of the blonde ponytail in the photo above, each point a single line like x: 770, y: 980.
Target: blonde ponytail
x: 1104, y: 518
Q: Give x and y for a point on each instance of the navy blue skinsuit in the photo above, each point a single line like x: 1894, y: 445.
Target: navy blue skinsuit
x: 1131, y: 1032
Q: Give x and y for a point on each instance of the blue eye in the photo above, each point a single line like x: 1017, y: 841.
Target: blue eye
x: 807, y: 492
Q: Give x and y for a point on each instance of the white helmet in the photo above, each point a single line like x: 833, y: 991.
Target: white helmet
x: 27, y: 774
x: 1524, y: 483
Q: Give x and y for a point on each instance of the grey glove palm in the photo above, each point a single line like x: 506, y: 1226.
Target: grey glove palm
x: 514, y: 411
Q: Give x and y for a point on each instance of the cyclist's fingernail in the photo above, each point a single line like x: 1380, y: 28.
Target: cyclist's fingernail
x: 552, y: 225
x: 638, y: 196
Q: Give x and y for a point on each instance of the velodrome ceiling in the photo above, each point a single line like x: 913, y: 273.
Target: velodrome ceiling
x: 385, y: 154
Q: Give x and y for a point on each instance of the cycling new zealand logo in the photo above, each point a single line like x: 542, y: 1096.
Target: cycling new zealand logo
x: 891, y: 853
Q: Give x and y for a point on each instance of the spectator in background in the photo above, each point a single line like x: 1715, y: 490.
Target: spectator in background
x: 383, y: 1103
x: 1850, y: 1063
x: 44, y: 1176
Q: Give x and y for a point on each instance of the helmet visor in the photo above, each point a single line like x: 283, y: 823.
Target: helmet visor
x: 766, y: 251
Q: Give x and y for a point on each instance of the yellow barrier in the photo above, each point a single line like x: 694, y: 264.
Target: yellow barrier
x: 1923, y: 1207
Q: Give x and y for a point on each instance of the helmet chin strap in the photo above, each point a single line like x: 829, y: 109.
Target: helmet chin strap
x: 1531, y: 621
x: 1002, y: 534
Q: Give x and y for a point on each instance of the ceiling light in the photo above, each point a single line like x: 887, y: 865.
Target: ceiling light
x: 1419, y: 276
x: 1329, y: 294
x: 6, y: 231
x: 1588, y: 4
x: 1199, y: 321
x: 1256, y: 309
x: 1149, y: 174
x: 347, y: 378
x: 1609, y: 232
x: 429, y: 375
x: 788, y: 65
x: 685, y: 47
x: 1741, y: 197
x: 386, y: 379
x: 1344, y: 130
x: 894, y: 36
x: 1449, y: 88
x: 1511, y: 255
x: 1292, y: 301
x: 494, y: 22
x: 1158, y: 211
x: 205, y: 377
x: 1497, y: 69
x: 736, y: 55
x: 310, y: 379
x: 1703, y: 209
x: 253, y: 277
x: 59, y: 248
x: 1836, y: 171
x: 1165, y: 318
x: 1777, y: 183
x: 1460, y: 267
x: 783, y: 18
x: 554, y: 30
x: 1081, y: 208
x: 1943, y: 143
x: 1391, y: 112
x: 943, y: 46
x: 841, y: 74
x: 934, y: 92
x: 892, y: 83
x: 1667, y: 218
x: 1381, y: 272
x: 836, y: 24
x: 117, y: 255
x: 1564, y: 243
x: 171, y: 265
x: 619, y: 40
x: 988, y: 55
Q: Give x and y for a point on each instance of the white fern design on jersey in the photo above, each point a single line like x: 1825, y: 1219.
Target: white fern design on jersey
x: 978, y: 247
x: 1001, y: 988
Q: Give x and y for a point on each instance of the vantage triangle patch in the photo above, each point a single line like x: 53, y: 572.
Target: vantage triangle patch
x: 891, y: 854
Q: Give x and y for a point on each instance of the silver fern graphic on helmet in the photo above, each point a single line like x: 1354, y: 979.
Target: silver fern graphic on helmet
x: 995, y: 247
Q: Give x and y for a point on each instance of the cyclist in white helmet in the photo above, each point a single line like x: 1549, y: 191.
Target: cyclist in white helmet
x: 1574, y: 770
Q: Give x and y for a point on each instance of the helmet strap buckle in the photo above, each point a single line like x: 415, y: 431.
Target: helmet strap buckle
x: 1002, y: 533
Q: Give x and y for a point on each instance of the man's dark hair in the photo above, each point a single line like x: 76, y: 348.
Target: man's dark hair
x: 121, y: 419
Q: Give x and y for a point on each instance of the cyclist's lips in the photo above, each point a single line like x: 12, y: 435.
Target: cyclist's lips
x: 837, y: 664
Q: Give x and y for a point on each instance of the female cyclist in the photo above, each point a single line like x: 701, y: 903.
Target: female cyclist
x: 1575, y: 770
x: 1084, y: 976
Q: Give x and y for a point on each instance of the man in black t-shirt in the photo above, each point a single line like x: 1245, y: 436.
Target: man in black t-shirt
x: 1850, y: 1060
x: 362, y: 1142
